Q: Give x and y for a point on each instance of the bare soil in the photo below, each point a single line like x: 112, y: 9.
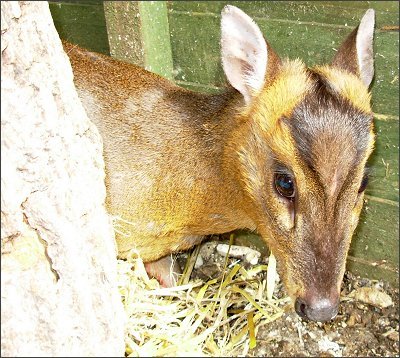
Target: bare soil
x: 359, y: 330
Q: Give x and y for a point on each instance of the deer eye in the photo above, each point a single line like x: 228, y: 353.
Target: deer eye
x: 364, y: 183
x: 284, y: 185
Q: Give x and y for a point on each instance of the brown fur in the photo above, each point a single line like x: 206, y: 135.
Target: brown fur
x: 181, y: 165
x: 163, y: 148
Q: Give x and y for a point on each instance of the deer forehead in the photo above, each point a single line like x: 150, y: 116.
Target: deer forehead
x: 293, y: 84
x: 332, y: 138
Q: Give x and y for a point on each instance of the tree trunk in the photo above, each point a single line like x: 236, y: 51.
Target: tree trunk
x: 58, y: 257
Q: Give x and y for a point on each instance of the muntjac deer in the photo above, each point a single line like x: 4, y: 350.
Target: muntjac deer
x: 282, y: 151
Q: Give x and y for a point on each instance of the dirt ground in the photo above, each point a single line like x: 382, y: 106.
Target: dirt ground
x: 359, y: 329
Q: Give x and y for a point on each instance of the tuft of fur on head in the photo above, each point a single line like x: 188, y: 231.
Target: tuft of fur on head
x: 347, y: 85
x: 286, y: 91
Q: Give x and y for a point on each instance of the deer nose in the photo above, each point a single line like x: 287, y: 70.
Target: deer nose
x: 317, y: 309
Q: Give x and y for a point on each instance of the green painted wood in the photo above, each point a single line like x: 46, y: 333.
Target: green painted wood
x: 385, y: 87
x: 139, y: 33
x: 82, y: 24
x: 384, y: 162
x: 377, y: 236
x: 80, y: 2
x: 197, y: 56
x: 124, y: 31
x: 325, y: 12
x: 156, y: 37
x: 376, y: 270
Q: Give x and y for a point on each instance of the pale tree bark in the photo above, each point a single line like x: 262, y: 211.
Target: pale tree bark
x: 59, y: 292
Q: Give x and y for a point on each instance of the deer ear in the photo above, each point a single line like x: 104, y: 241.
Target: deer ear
x: 245, y: 53
x: 356, y: 53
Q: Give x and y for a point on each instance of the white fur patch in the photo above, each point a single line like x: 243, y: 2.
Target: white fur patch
x: 89, y: 101
x: 364, y: 40
x: 131, y: 106
x: 150, y: 99
x: 244, y: 52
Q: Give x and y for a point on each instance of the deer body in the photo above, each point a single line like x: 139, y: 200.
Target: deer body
x: 165, y: 155
x: 282, y: 151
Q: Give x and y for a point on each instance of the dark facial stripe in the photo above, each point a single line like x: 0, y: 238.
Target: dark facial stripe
x: 326, y: 123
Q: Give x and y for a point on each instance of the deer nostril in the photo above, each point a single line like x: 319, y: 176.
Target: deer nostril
x: 301, y: 308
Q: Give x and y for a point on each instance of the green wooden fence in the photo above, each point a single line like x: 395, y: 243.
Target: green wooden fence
x: 180, y: 40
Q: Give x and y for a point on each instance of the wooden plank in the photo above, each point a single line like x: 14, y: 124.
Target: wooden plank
x: 124, y: 31
x: 90, y: 14
x: 197, y: 58
x: 375, y: 270
x: 80, y: 2
x: 325, y: 12
x: 156, y: 37
x: 384, y: 162
x: 385, y: 87
x: 377, y: 235
x: 82, y: 24
x: 139, y: 33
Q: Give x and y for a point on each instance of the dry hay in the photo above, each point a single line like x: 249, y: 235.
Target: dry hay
x: 220, y: 317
